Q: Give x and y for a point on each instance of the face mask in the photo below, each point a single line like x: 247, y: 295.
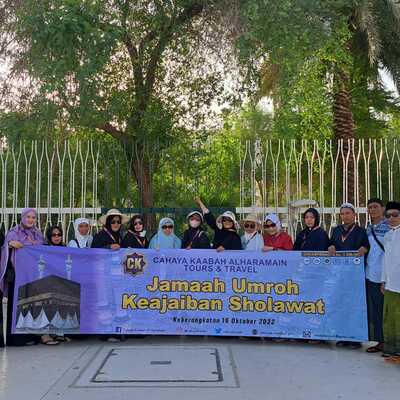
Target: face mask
x: 194, y: 224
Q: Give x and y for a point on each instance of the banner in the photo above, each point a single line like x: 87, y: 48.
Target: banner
x: 284, y: 294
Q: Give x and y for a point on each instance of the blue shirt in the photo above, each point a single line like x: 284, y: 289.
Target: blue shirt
x: 376, y: 254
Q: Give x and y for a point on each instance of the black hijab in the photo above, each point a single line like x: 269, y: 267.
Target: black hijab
x: 317, y: 218
x: 49, y: 234
x: 116, y: 235
x: 132, y: 224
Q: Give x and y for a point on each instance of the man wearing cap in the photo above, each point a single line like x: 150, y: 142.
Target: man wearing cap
x: 376, y: 231
x: 391, y: 285
x: 349, y: 236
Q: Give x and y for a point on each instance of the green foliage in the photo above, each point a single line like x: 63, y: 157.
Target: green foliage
x: 304, y: 43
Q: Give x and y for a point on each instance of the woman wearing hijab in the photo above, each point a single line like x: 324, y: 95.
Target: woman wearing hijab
x: 252, y: 239
x: 135, y: 238
x: 54, y: 236
x: 24, y: 234
x: 274, y: 237
x: 83, y: 238
x: 312, y: 237
x: 165, y: 237
x: 110, y: 236
x: 225, y: 228
x: 195, y: 237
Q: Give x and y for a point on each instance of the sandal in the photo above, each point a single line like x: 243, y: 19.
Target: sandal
x: 63, y: 339
x: 393, y: 359
x: 48, y: 341
x: 375, y: 349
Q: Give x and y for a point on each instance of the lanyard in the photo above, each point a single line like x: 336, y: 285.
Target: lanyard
x: 112, y: 237
x: 347, y: 234
x: 141, y: 242
x: 254, y: 235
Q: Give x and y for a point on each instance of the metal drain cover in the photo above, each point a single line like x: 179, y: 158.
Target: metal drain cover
x: 154, y: 364
x: 159, y: 366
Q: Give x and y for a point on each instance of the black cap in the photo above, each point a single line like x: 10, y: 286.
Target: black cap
x: 392, y: 205
x: 376, y: 200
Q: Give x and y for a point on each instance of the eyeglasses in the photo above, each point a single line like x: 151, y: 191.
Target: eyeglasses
x: 138, y: 223
x: 251, y: 226
x: 56, y: 235
x: 269, y: 226
x: 116, y: 221
x: 168, y: 227
x: 394, y: 215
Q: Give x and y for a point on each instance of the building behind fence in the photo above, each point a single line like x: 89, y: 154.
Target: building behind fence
x: 64, y: 180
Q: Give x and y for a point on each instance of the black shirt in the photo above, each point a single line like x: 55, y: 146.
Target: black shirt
x: 349, y: 239
x: 196, y: 238
x: 133, y: 241
x: 312, y: 240
x: 228, y: 239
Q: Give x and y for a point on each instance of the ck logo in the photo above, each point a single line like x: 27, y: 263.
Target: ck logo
x: 134, y: 264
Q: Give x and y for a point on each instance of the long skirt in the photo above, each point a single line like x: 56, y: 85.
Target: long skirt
x: 391, y: 322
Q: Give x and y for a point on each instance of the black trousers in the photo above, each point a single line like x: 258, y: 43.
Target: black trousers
x: 375, y: 311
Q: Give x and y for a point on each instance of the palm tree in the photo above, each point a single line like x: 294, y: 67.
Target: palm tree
x: 375, y: 27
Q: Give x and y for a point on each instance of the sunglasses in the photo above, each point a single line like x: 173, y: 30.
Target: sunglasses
x: 269, y: 226
x: 226, y: 220
x: 56, y: 235
x: 394, y: 215
x: 251, y: 226
x: 138, y: 223
x: 168, y: 227
x: 116, y: 221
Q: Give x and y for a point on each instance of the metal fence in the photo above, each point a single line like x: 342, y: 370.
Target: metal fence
x: 67, y: 179
x: 64, y: 180
x: 287, y: 176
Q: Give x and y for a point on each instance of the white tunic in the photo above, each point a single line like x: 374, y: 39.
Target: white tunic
x: 391, y: 263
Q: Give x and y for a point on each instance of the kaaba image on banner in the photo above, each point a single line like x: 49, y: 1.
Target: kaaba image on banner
x: 49, y: 304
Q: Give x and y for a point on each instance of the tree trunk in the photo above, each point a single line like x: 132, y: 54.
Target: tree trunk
x: 344, y: 127
x: 141, y: 170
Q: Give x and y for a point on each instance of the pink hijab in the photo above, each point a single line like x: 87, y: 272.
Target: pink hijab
x: 20, y: 233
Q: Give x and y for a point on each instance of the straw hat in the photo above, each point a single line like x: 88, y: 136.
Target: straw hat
x: 230, y: 215
x: 251, y: 218
x: 113, y: 212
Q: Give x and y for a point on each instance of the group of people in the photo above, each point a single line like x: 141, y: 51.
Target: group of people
x: 377, y: 244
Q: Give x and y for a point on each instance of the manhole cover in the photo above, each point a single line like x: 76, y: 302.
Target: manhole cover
x: 158, y: 366
x: 154, y: 364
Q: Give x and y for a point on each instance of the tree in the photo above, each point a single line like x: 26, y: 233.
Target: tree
x: 351, y: 39
x: 136, y: 70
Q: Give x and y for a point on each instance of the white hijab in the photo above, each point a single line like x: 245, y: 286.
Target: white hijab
x: 82, y: 239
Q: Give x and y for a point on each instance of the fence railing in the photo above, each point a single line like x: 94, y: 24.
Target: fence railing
x: 64, y: 180
x: 286, y: 175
